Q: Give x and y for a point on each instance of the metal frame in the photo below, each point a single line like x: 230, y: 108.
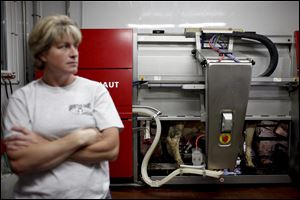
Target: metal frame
x: 285, y: 83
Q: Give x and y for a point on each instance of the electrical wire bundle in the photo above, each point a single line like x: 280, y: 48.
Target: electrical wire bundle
x: 214, y: 41
x: 272, y: 49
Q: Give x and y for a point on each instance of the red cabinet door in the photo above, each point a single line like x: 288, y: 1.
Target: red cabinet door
x: 106, y: 56
x: 106, y: 48
x: 119, y: 84
x: 123, y: 166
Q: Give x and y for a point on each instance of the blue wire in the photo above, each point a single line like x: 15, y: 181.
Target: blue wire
x: 227, y: 54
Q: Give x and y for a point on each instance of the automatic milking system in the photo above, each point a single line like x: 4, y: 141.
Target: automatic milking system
x: 198, y: 106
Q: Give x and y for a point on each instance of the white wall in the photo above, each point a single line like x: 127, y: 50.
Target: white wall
x: 264, y: 17
x: 53, y: 7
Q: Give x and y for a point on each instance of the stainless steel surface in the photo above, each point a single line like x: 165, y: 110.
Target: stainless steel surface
x: 170, y: 64
x: 227, y: 88
x: 166, y: 63
x: 171, y: 101
x: 164, y: 38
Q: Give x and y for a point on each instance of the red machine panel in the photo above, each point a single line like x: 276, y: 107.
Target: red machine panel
x: 119, y: 84
x: 122, y: 167
x: 106, y: 56
x: 106, y: 48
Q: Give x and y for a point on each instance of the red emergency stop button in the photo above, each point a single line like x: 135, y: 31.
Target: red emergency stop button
x: 225, y: 138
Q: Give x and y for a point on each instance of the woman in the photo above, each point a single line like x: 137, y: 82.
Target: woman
x: 62, y: 128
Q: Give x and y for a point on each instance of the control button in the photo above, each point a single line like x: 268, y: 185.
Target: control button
x: 225, y: 138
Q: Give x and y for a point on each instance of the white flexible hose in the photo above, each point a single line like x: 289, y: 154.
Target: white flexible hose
x: 144, y: 110
x: 182, y: 170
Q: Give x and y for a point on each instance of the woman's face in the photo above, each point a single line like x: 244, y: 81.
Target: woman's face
x: 62, y: 57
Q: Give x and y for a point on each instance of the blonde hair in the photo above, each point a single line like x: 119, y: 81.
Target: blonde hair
x: 49, y: 30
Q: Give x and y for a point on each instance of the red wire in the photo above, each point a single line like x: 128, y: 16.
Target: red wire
x: 220, y: 59
x: 215, y: 49
x: 200, y: 136
x: 212, y: 47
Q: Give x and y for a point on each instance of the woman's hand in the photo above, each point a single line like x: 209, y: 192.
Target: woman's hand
x: 87, y: 136
x: 30, y: 152
x: 22, y: 140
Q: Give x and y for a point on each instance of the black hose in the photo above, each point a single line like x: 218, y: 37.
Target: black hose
x: 10, y: 86
x: 5, y: 86
x: 265, y: 41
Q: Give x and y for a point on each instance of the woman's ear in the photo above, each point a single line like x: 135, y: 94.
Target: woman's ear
x: 42, y: 57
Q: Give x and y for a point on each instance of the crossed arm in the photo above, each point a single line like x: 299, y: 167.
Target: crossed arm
x: 30, y: 152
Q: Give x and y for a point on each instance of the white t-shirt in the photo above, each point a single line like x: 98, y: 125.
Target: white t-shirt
x: 53, y: 112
